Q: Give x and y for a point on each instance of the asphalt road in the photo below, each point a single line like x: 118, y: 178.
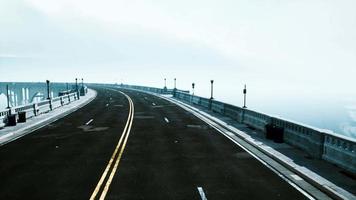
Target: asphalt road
x: 157, y: 151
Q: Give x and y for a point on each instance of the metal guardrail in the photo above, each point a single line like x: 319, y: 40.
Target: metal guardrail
x: 322, y: 144
x: 38, y: 108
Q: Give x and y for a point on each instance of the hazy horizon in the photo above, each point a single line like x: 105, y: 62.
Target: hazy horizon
x: 293, y: 56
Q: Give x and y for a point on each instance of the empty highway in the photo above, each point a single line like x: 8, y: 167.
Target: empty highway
x: 132, y: 145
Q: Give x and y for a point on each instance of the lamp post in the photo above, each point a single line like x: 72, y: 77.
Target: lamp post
x: 67, y: 87
x: 8, y: 96
x: 76, y: 87
x: 48, y: 92
x: 165, y: 83
x: 193, y: 86
x: 244, y: 92
x: 175, y: 87
x: 212, y: 88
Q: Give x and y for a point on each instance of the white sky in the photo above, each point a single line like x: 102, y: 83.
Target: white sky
x: 276, y: 46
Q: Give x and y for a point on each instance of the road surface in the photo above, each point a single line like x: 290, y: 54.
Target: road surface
x: 132, y: 145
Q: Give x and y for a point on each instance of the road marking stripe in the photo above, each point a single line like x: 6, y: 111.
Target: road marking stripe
x: 108, y: 183
x: 166, y: 119
x: 89, y: 122
x: 153, y: 104
x: 221, y: 130
x: 124, y: 134
x: 202, y: 194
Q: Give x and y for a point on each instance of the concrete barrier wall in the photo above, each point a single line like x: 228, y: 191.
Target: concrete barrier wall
x: 218, y: 107
x: 35, y: 109
x: 340, y: 151
x: 234, y: 112
x: 317, y: 143
x: 306, y: 138
x: 204, y: 102
x: 255, y: 119
x: 196, y: 100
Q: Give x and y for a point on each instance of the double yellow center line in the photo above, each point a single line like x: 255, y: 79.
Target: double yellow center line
x: 106, y: 179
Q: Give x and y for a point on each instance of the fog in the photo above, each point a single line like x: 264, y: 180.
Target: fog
x: 298, y: 58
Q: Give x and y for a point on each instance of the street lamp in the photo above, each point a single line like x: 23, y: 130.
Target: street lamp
x: 165, y: 83
x: 212, y: 88
x: 48, y: 95
x: 245, y: 91
x: 76, y: 87
x: 193, y: 86
x: 175, y: 83
x: 8, y: 96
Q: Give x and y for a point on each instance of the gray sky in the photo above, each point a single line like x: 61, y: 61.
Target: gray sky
x: 290, y: 47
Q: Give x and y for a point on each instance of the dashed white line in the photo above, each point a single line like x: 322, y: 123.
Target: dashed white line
x: 107, y: 105
x: 153, y: 104
x: 166, y: 119
x: 90, y: 121
x: 202, y: 194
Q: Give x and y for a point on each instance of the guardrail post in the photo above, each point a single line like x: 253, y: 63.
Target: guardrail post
x: 35, y: 109
x: 68, y: 98
x: 50, y: 104
x: 62, y: 101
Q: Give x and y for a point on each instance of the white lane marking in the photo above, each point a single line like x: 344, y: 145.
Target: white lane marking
x: 235, y: 140
x: 153, y: 104
x: 202, y: 194
x: 166, y: 119
x: 90, y: 121
x: 296, y: 177
x: 107, y: 105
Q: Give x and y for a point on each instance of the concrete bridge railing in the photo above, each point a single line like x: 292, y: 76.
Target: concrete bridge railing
x: 318, y: 143
x: 35, y: 109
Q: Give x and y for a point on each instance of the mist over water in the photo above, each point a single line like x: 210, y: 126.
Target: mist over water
x: 338, y: 116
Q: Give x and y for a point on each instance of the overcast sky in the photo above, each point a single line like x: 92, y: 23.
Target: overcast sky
x: 274, y: 46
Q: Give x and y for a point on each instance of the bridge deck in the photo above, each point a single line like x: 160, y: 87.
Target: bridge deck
x: 169, y: 154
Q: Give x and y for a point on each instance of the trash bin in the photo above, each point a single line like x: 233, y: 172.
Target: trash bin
x: 11, y: 120
x: 269, y: 131
x: 22, y: 117
x: 274, y: 133
x: 278, y: 134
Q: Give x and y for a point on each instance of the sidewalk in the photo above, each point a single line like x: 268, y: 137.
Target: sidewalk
x: 11, y: 133
x: 326, y: 176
